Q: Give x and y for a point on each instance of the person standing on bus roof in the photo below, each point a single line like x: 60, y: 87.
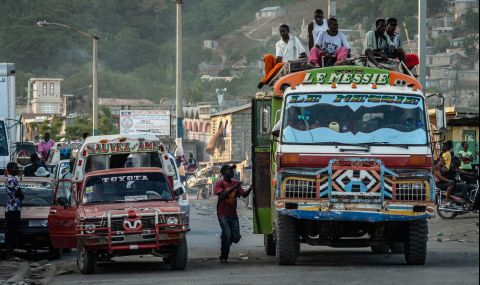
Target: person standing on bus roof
x: 316, y: 27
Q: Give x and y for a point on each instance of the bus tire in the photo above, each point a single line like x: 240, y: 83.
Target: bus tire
x: 287, y: 240
x: 416, y: 243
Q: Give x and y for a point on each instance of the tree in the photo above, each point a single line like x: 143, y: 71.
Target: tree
x: 470, y: 20
x: 441, y: 43
x: 106, y: 125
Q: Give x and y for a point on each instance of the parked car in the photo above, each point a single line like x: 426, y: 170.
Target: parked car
x: 34, y: 220
x: 119, y: 212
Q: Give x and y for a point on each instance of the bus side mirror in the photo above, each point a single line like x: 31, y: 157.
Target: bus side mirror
x: 440, y: 114
x: 265, y: 118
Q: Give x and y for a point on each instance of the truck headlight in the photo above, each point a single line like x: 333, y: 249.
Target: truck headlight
x: 38, y: 223
x: 90, y: 228
x: 172, y: 221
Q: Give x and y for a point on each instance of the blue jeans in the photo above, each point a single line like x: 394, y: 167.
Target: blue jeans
x: 230, y: 234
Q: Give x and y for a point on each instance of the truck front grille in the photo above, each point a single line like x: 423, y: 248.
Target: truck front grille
x: 300, y: 188
x: 415, y: 191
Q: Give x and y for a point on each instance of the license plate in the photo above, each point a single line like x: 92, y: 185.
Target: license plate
x: 2, y: 237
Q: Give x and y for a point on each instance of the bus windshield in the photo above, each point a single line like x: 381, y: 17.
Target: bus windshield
x: 3, y: 140
x: 386, y: 119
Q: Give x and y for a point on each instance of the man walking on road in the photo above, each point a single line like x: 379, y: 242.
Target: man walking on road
x: 228, y: 190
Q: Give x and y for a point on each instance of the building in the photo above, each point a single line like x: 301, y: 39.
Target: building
x: 447, y: 59
x: 270, y: 12
x: 460, y: 7
x: 462, y: 126
x: 115, y: 105
x: 44, y: 96
x: 442, y: 31
x: 231, y: 135
x: 209, y: 44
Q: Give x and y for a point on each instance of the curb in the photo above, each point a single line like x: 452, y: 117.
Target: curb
x: 22, y: 272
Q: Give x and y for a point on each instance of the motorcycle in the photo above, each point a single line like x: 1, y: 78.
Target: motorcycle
x: 460, y: 205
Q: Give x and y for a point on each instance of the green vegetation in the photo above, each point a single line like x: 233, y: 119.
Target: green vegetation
x: 136, y: 48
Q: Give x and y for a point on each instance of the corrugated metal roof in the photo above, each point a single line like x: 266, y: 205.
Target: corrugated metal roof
x: 232, y: 110
x: 271, y: 8
x: 125, y: 102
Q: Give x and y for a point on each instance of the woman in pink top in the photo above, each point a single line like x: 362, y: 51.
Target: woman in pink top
x: 45, y: 146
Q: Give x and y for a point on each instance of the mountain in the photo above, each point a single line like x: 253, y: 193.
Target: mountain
x: 136, y: 47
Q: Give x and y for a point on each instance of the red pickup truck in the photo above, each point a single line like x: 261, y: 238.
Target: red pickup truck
x: 120, y: 212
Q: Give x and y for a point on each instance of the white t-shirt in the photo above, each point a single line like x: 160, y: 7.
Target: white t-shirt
x: 330, y: 44
x: 289, y: 51
x: 317, y: 29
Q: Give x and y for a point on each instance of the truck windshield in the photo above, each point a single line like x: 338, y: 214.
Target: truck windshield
x: 131, y: 187
x: 38, y: 194
x: 113, y: 161
x: 386, y: 119
x: 3, y: 140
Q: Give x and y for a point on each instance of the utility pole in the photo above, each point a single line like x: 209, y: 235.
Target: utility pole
x: 95, y: 87
x: 332, y: 8
x: 179, y: 89
x: 422, y: 41
x: 95, y: 39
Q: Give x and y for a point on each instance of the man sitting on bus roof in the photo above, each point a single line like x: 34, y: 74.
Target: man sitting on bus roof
x: 377, y: 44
x: 411, y: 60
x: 331, y: 47
x: 289, y: 48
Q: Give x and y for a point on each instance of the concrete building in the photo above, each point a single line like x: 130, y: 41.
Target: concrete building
x: 447, y: 59
x: 231, y: 135
x: 442, y: 31
x: 45, y: 96
x: 270, y: 12
x: 460, y: 7
x: 209, y: 44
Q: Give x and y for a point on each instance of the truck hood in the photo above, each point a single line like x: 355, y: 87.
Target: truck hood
x: 30, y: 213
x: 100, y: 210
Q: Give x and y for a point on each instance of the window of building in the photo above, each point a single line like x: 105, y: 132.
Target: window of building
x: 48, y: 108
x: 45, y: 89
x: 469, y: 135
x: 52, y: 89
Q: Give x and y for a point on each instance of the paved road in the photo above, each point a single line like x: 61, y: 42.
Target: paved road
x: 453, y: 259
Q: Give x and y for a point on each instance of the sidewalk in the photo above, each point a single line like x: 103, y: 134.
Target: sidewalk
x: 12, y: 272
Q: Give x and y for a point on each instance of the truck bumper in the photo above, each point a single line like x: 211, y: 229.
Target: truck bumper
x: 352, y: 216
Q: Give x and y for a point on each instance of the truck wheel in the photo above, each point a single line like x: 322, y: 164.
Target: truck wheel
x: 269, y: 243
x: 287, y: 241
x: 397, y: 248
x: 380, y: 249
x: 178, y: 259
x: 54, y: 253
x: 416, y: 243
x: 86, y: 260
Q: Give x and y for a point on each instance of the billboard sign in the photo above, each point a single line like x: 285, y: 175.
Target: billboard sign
x: 155, y: 122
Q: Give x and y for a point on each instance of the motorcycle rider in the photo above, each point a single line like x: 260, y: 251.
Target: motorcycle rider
x: 441, y: 181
